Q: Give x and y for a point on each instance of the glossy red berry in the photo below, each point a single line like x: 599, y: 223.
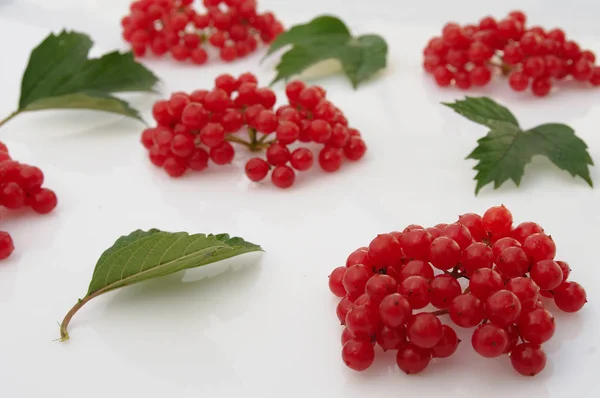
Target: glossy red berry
x: 283, y: 176
x: 257, y: 169
x: 528, y: 359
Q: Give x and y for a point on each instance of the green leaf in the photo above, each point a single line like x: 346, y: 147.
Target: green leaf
x: 505, y: 151
x: 326, y: 38
x: 60, y: 75
x: 484, y: 111
x: 144, y: 255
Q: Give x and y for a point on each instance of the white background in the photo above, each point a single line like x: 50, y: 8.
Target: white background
x: 269, y: 329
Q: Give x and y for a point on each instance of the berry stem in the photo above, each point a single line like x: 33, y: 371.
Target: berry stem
x: 15, y: 113
x: 237, y: 140
x: 64, y: 334
x: 440, y: 312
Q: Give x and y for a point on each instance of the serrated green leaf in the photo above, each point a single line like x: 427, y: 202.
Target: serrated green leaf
x: 559, y: 143
x: 60, y: 75
x: 484, y: 111
x: 326, y: 38
x: 505, y: 151
x: 144, y: 255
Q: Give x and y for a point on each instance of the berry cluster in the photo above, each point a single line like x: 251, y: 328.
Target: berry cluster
x: 531, y: 57
x: 234, y: 27
x: 193, y: 128
x: 506, y: 270
x: 20, y: 186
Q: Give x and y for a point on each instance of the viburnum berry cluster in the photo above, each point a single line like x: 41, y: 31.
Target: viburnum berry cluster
x: 202, y: 125
x: 21, y: 186
x: 532, y: 57
x: 234, y: 27
x: 386, y: 287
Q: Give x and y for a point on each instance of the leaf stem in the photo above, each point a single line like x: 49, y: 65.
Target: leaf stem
x: 15, y: 113
x: 64, y: 334
x: 237, y: 140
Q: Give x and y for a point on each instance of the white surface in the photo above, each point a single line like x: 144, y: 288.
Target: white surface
x: 270, y: 330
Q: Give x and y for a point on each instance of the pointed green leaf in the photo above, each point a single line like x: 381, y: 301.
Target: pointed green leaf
x: 326, y: 38
x: 321, y: 30
x: 93, y: 101
x: 505, y: 151
x: 60, y: 75
x: 144, y: 255
x: 484, y: 111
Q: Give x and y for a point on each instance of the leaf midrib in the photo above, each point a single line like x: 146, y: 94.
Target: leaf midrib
x: 123, y: 282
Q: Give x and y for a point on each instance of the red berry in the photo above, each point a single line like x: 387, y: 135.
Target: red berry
x: 194, y: 116
x: 182, y: 145
x: 358, y: 355
x: 424, y: 330
x: 222, y: 153
x: 283, y: 176
x: 199, y: 160
x: 363, y: 321
x: 216, y: 101
x: 266, y: 122
x: 524, y: 230
x: 379, y: 286
x: 518, y: 81
x: 355, y: 148
x: 513, y: 53
x: 301, y: 159
x: 502, y: 308
x: 547, y: 274
x: 6, y: 245
x: 474, y: 223
x: 342, y: 310
x: 444, y: 253
x: 335, y: 282
x: 293, y: 90
x: 227, y: 83
x: 412, y: 359
x: 359, y: 256
x: 466, y: 311
x: 417, y: 268
x: 489, y: 341
x: 502, y: 244
x: 395, y: 310
x: 484, y: 282
x: 443, y: 289
x: 278, y: 154
x: 416, y: 290
x: 570, y: 297
x: 416, y: 244
x: 513, y: 262
x: 212, y: 135
x: 320, y: 131
x: 390, y: 339
x: 257, y: 169
x: 12, y: 196
x: 541, y: 87
x: 582, y: 70
x: 536, y: 326
x: 384, y: 250
x: 443, y: 76
x: 498, y: 220
x: 459, y: 233
x: 174, y: 166
x: 232, y: 121
x: 525, y: 289
x: 528, y: 359
x: 539, y: 247
x: 309, y: 97
x: 447, y: 345
x: 330, y: 159
x: 475, y: 256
